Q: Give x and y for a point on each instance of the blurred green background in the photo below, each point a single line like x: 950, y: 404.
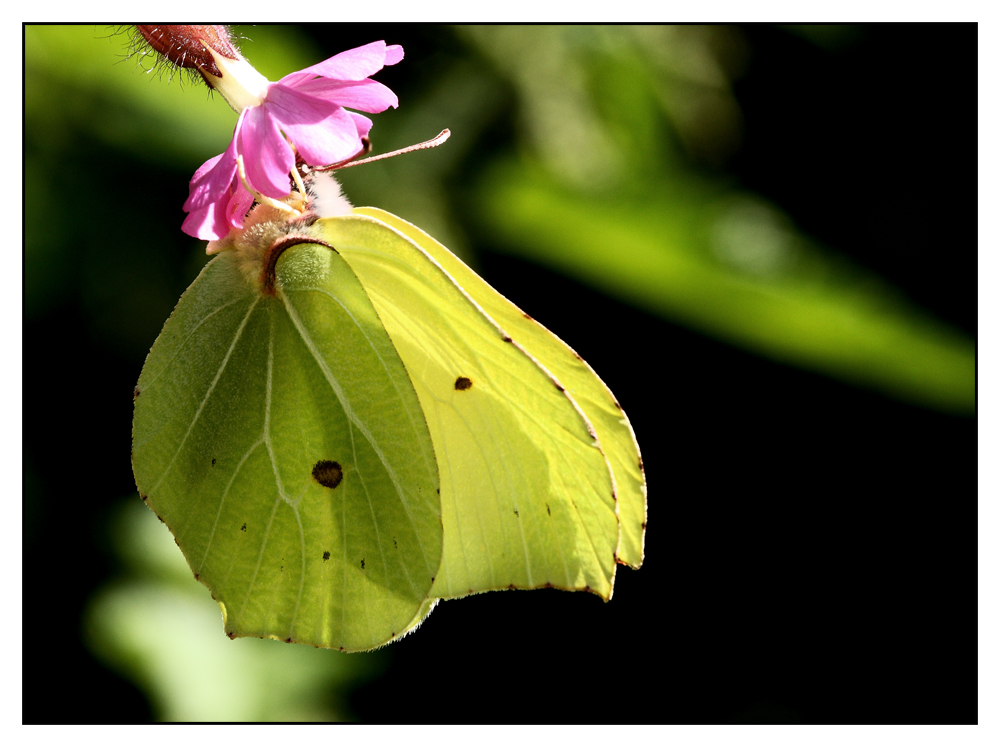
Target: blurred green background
x: 761, y: 237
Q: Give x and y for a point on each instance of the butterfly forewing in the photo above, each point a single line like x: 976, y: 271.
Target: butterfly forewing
x: 527, y: 494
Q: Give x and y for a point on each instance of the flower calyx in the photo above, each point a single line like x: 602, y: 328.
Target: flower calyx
x: 194, y: 47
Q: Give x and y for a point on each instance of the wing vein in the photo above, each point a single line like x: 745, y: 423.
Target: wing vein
x: 428, y: 460
x: 147, y: 384
x: 353, y: 417
x: 211, y: 388
x: 260, y: 556
x: 218, y: 513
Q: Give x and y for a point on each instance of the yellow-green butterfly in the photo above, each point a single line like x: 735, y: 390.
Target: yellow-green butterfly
x: 342, y: 424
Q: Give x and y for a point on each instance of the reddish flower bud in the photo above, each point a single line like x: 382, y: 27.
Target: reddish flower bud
x: 188, y: 46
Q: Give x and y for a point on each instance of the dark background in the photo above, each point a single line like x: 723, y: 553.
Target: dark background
x: 811, y: 546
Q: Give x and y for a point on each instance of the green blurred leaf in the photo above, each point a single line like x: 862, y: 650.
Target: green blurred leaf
x: 723, y: 263
x: 72, y: 83
x: 161, y: 629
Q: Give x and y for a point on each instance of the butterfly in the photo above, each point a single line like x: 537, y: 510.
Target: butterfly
x: 342, y: 424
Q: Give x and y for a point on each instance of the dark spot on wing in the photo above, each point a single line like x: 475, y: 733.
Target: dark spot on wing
x: 213, y: 461
x: 288, y: 640
x: 362, y: 563
x: 462, y: 383
x: 144, y: 497
x: 578, y: 356
x: 548, y: 510
x: 506, y: 338
x: 432, y: 579
x: 326, y: 555
x: 135, y: 394
x: 244, y: 527
x: 644, y: 526
x: 548, y: 584
x: 560, y: 387
x: 327, y: 473
x: 511, y: 587
x: 394, y: 543
x: 527, y: 316
x: 196, y: 577
x: 517, y: 514
x: 232, y: 636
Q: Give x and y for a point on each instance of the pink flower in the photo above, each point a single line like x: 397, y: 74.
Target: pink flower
x: 305, y: 109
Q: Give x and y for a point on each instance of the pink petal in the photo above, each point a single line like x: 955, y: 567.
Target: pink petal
x: 291, y: 106
x: 239, y: 204
x: 292, y: 80
x: 323, y: 132
x: 366, y: 95
x: 393, y: 54
x: 207, y: 223
x: 266, y: 155
x: 335, y: 139
x: 363, y: 124
x: 354, y: 64
x: 212, y: 178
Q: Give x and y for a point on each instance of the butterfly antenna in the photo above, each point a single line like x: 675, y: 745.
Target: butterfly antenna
x: 432, y: 143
